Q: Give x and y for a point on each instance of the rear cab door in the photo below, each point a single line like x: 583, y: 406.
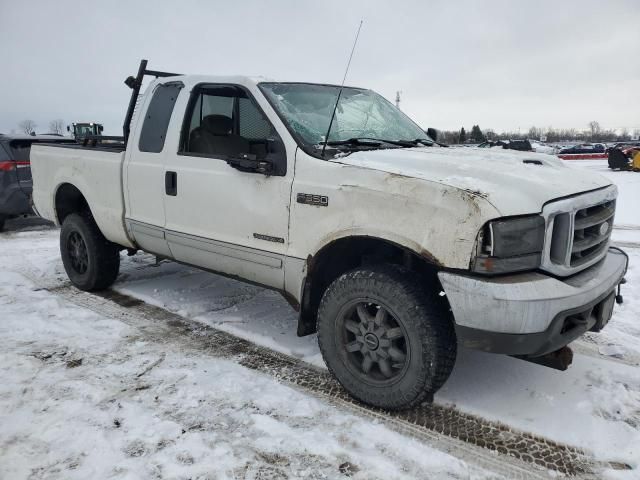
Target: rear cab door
x: 144, y: 173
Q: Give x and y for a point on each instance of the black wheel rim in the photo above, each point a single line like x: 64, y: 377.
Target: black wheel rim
x: 77, y: 251
x: 373, y: 342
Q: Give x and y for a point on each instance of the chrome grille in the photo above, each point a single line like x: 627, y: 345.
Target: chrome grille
x: 578, y: 230
x: 591, y: 231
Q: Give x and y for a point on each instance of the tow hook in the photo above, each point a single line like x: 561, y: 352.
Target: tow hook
x: 619, y: 297
x: 558, y: 360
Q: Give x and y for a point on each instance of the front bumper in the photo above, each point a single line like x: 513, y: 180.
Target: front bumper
x: 532, y: 313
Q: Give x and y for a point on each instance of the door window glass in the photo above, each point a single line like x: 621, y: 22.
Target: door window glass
x: 224, y: 123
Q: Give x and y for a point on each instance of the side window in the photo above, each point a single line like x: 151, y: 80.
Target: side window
x: 156, y: 121
x: 253, y: 125
x: 225, y: 123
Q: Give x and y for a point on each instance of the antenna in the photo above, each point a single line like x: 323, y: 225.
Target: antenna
x: 335, y: 107
x: 398, y: 93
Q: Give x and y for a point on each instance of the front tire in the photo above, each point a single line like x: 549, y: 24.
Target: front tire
x: 389, y: 344
x: 90, y: 260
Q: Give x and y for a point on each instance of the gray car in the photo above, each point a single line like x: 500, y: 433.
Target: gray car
x: 15, y: 172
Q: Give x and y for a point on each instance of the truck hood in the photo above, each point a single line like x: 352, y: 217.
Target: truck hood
x: 502, y: 177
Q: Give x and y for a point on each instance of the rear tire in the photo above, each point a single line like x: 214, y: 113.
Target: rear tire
x: 2, y: 220
x: 91, y: 261
x: 383, y: 313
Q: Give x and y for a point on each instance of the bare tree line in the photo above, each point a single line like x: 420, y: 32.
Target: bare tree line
x: 56, y: 126
x: 28, y: 127
x: 594, y: 133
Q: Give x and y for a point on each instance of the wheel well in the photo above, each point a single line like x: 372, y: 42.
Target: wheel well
x: 346, y: 254
x: 69, y: 200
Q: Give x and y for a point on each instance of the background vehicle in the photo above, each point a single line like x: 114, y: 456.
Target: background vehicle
x: 15, y: 173
x: 520, y: 145
x: 491, y: 144
x: 544, y: 148
x: 393, y: 249
x: 81, y: 130
x: 584, y: 148
x: 624, y: 145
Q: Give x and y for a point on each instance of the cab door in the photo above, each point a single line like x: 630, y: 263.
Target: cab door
x: 144, y: 175
x: 225, y: 212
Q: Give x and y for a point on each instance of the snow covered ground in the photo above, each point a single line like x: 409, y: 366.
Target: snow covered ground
x: 189, y: 417
x: 86, y: 396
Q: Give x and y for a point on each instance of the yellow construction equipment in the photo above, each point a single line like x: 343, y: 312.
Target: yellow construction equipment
x: 635, y: 161
x: 624, y: 160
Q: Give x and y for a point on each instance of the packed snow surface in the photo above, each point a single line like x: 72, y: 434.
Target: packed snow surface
x: 83, y: 396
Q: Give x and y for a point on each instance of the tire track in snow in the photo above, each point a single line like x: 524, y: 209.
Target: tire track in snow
x: 489, y: 445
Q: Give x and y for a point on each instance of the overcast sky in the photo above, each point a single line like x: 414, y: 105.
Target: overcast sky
x: 501, y: 64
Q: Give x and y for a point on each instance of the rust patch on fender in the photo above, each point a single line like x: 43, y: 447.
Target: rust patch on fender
x: 476, y: 193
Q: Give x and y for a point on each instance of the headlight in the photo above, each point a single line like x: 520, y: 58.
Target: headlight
x: 509, y: 245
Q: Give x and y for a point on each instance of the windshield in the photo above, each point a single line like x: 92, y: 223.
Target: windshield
x: 83, y: 129
x: 364, y: 114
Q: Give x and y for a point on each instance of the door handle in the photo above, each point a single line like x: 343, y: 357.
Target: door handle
x: 171, y: 183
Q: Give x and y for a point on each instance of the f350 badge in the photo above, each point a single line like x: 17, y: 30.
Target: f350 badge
x: 311, y: 199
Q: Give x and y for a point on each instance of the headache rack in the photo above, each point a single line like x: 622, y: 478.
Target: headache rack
x: 135, y: 83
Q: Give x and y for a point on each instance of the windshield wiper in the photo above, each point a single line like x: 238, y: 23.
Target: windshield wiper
x: 371, y: 142
x: 374, y: 143
x: 399, y: 142
x: 429, y: 142
x: 354, y: 142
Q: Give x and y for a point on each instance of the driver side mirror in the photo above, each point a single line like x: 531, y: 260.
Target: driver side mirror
x: 276, y: 156
x: 433, y: 133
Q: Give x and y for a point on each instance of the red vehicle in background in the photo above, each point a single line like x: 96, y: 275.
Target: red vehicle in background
x: 585, y: 151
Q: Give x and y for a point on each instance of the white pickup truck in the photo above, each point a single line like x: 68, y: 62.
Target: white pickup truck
x: 394, y: 249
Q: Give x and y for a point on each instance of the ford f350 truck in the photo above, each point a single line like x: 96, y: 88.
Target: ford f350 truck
x: 394, y: 249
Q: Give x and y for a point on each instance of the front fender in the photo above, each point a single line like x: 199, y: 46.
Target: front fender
x: 434, y: 220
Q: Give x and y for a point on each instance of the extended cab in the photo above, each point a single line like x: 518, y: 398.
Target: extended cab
x: 394, y: 249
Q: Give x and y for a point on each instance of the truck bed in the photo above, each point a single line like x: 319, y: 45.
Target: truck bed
x: 95, y: 171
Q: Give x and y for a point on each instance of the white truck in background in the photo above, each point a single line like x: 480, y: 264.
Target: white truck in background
x: 396, y: 250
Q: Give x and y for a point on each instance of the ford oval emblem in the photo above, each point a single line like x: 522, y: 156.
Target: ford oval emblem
x: 604, y: 228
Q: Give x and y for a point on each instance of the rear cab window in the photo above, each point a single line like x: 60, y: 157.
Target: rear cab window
x: 157, y: 117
